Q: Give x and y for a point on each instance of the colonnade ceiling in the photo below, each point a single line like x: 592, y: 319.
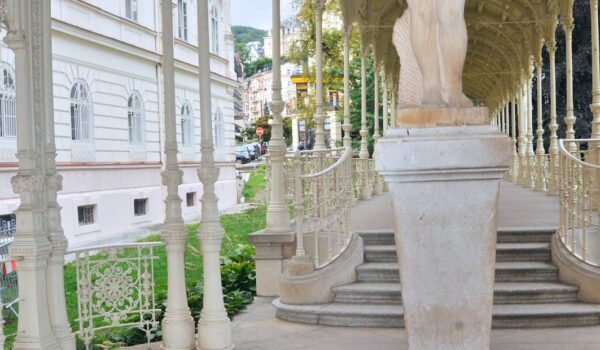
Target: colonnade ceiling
x: 505, y: 39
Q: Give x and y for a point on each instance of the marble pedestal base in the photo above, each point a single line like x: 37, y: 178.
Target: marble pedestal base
x: 444, y: 182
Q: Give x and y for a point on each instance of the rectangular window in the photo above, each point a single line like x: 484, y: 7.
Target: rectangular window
x: 139, y: 206
x: 183, y: 19
x: 131, y: 9
x: 85, y: 213
x: 190, y: 199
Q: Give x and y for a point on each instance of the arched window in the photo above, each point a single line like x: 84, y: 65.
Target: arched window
x: 135, y: 115
x: 218, y: 128
x: 182, y: 16
x: 8, y: 102
x: 187, y: 125
x: 214, y: 29
x: 81, y: 112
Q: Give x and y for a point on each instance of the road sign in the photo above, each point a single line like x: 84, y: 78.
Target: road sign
x: 260, y: 131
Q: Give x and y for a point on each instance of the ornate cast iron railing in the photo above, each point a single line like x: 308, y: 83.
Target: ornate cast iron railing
x: 322, y: 198
x: 579, y: 187
x: 115, y: 288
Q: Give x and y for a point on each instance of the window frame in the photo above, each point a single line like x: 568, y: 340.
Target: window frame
x: 81, y: 105
x: 8, y: 102
x: 89, y: 218
x: 136, y: 119
x: 218, y: 128
x: 182, y: 20
x: 187, y: 124
x: 132, y: 10
x: 140, y: 203
x: 214, y: 29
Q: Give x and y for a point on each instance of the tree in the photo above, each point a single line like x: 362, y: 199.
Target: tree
x: 261, y: 64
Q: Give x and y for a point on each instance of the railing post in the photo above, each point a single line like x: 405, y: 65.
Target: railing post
x: 365, y: 187
x: 568, y: 25
x: 553, y: 151
x: 299, y: 205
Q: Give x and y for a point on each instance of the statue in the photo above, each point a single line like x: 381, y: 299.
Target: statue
x: 431, y: 40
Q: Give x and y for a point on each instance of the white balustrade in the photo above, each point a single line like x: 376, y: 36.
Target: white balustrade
x: 578, y: 189
x: 115, y: 288
x: 322, y: 202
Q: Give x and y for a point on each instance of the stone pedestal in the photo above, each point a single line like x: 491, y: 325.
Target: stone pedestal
x: 273, y: 250
x: 444, y: 182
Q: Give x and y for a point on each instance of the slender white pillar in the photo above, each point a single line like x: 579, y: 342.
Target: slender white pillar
x: 530, y: 152
x: 178, y: 325
x: 278, y: 216
x: 386, y: 107
x: 29, y: 36
x: 376, y: 134
x: 595, y: 106
x: 214, y: 327
x: 522, y: 134
x: 393, y: 107
x: 347, y: 125
x: 365, y: 187
x: 506, y: 119
x: 540, y: 180
x: 319, y: 117
x: 553, y: 126
x: 568, y: 26
x: 515, y: 160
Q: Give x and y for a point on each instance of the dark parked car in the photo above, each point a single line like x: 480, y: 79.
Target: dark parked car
x: 252, y: 150
x: 242, y: 154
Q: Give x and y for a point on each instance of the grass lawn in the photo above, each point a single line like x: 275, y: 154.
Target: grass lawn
x: 255, y: 184
x: 237, y: 227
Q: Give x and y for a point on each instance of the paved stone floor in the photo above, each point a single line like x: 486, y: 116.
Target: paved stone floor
x: 258, y: 329
x: 518, y: 207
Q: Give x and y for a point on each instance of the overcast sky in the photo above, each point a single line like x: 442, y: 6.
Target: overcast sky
x: 257, y: 13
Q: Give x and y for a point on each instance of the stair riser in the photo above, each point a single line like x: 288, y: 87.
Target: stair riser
x: 501, y: 276
x: 523, y: 322
x: 506, y: 256
x: 499, y: 298
x: 525, y: 237
x: 523, y: 255
x: 379, y: 240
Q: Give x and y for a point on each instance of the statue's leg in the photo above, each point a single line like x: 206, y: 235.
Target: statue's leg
x: 423, y: 35
x: 453, y: 41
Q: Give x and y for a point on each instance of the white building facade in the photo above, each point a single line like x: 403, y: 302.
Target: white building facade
x: 109, y: 118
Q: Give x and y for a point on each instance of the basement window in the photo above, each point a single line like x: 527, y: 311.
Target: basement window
x: 190, y: 199
x: 139, y: 206
x: 85, y: 214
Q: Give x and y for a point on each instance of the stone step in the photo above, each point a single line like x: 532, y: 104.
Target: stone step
x: 377, y: 237
x: 525, y: 235
x: 504, y: 252
x: 519, y: 271
x: 523, y: 252
x: 504, y: 293
x: 513, y: 235
x: 392, y: 315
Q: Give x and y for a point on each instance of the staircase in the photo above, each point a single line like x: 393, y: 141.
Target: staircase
x: 527, y: 292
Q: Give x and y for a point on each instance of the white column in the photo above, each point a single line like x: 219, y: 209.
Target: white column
x: 393, y: 108
x: 513, y: 122
x: 530, y: 152
x: 595, y: 106
x: 386, y: 107
x: 214, y: 327
x: 278, y: 216
x: 29, y: 36
x: 376, y: 133
x: 365, y: 187
x: 506, y: 119
x: 568, y: 26
x: 319, y: 117
x: 178, y: 325
x: 540, y: 180
x: 522, y: 134
x: 347, y: 125
x: 553, y: 126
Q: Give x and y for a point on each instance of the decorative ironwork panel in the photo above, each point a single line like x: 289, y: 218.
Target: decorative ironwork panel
x: 115, y: 288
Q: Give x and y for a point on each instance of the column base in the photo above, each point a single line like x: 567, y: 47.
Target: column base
x: 272, y: 253
x: 179, y: 331
x: 444, y: 183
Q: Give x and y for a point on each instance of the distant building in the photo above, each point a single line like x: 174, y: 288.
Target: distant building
x: 255, y: 50
x: 258, y: 93
x: 289, y: 35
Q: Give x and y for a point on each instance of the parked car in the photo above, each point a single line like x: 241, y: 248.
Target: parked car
x: 257, y: 149
x: 242, y: 154
x: 252, y: 150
